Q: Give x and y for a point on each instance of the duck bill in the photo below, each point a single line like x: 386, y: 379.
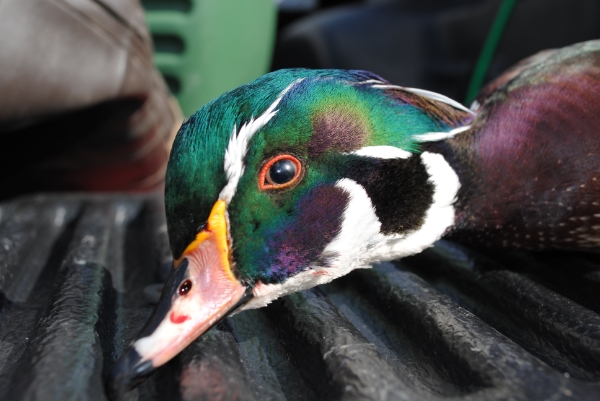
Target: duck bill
x: 200, y: 291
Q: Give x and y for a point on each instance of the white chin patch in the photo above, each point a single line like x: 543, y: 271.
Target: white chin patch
x: 360, y: 241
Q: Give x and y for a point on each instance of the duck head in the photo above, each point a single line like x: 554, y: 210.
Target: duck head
x: 289, y: 182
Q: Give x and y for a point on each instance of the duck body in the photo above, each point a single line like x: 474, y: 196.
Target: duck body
x: 303, y: 176
x: 530, y: 165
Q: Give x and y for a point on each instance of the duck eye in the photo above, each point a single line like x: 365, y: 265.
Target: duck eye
x: 185, y: 287
x: 280, y: 172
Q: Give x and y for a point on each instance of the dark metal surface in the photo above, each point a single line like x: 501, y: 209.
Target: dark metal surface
x: 448, y: 324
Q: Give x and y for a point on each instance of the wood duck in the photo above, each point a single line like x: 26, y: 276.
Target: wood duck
x: 302, y: 176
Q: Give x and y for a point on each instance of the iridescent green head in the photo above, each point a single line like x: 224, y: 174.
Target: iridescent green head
x: 323, y: 120
x: 291, y: 181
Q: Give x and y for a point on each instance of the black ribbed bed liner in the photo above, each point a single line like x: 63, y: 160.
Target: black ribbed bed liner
x: 448, y: 324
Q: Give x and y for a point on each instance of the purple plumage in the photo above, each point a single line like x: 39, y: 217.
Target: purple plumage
x: 529, y: 168
x: 319, y: 220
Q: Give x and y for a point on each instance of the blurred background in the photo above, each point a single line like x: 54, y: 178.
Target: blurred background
x: 93, y: 91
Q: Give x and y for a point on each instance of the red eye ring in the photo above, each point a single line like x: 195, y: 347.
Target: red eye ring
x: 263, y: 178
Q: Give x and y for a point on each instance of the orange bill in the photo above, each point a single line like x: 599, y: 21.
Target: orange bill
x: 201, y: 291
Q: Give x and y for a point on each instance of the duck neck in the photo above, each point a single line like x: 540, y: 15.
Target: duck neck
x: 466, y: 176
x: 480, y: 211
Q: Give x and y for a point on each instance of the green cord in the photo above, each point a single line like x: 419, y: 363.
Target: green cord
x: 489, y: 48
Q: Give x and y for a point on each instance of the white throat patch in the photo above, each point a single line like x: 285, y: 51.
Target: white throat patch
x: 360, y: 241
x: 438, y: 217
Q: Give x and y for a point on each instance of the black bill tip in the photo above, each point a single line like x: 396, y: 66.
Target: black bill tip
x: 126, y: 373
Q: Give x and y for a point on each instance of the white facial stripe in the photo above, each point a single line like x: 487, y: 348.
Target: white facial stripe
x: 372, y: 81
x: 439, y: 136
x: 382, y: 152
x: 238, y: 145
x: 428, y: 94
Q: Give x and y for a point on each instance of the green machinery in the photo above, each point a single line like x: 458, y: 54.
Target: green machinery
x: 206, y: 47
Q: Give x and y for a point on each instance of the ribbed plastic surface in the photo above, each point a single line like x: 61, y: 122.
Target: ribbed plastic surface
x: 447, y: 324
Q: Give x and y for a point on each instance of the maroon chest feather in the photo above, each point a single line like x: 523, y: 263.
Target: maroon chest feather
x: 530, y: 168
